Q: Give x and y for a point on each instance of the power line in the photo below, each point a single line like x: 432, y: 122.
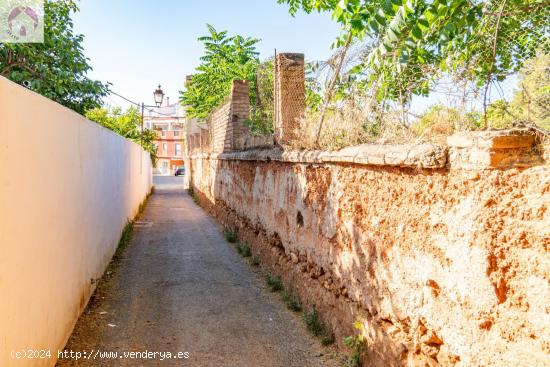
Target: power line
x: 139, y: 105
x: 124, y: 98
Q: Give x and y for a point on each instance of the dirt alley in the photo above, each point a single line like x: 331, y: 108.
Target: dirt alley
x: 180, y: 287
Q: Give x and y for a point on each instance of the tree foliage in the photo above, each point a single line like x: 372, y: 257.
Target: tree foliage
x: 226, y: 58
x: 531, y: 102
x: 56, y: 68
x: 263, y: 111
x: 411, y: 42
x: 126, y: 124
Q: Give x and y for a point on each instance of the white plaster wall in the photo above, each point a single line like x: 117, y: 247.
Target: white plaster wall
x: 67, y: 188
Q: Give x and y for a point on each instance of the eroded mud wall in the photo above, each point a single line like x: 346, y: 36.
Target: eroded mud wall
x: 446, y: 266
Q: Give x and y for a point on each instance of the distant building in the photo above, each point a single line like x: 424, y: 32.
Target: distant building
x: 169, y: 123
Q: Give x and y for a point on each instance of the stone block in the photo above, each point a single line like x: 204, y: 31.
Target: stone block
x: 508, y: 142
x: 461, y: 140
x: 396, y: 156
x: 493, y: 149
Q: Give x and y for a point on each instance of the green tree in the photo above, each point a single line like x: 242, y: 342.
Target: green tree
x: 263, y: 111
x: 225, y: 59
x: 56, y: 68
x: 412, y: 42
x: 126, y: 124
x: 530, y: 103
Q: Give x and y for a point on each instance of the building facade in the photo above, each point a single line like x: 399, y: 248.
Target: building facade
x: 168, y: 121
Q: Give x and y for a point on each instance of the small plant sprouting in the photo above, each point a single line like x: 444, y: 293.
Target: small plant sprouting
x: 311, y: 319
x: 316, y: 326
x: 194, y: 196
x: 244, y: 250
x: 125, y: 237
x: 143, y: 204
x: 274, y: 283
x: 254, y: 261
x: 357, y: 344
x: 291, y: 301
x: 230, y: 235
x: 327, y: 339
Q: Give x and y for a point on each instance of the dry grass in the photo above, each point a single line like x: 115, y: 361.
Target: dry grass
x: 350, y: 125
x: 438, y: 122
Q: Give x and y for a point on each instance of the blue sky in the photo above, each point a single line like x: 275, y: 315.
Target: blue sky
x: 137, y: 45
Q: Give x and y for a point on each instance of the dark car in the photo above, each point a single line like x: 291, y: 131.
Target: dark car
x: 180, y: 171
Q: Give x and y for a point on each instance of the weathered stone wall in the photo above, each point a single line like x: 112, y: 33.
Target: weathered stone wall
x: 442, y: 253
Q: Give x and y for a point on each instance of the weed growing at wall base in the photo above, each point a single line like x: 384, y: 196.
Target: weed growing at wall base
x: 357, y: 344
x: 291, y: 301
x: 244, y: 250
x: 230, y: 235
x: 316, y: 326
x: 125, y: 237
x: 274, y: 283
x: 127, y: 231
x: 191, y: 193
x: 254, y: 261
x: 144, y: 202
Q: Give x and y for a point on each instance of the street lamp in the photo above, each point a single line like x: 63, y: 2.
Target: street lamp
x: 159, y: 96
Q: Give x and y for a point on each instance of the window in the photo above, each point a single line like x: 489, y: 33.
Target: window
x: 164, y: 147
x: 178, y: 149
x: 176, y: 133
x: 163, y: 133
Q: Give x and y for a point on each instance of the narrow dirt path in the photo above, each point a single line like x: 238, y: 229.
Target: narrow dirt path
x: 180, y: 287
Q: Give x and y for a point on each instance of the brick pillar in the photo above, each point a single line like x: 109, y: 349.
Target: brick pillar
x: 240, y: 110
x: 290, y: 95
x: 205, y: 140
x: 196, y: 142
x: 227, y: 121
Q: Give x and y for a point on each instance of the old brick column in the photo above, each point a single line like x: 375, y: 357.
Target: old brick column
x: 289, y: 95
x: 227, y: 121
x: 240, y: 109
x: 205, y: 140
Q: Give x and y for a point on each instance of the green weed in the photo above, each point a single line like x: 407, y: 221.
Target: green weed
x: 274, y: 283
x: 193, y: 195
x: 316, y: 326
x: 124, y: 240
x: 291, y: 301
x: 357, y: 344
x: 143, y: 204
x: 244, y: 250
x: 230, y: 235
x: 254, y: 261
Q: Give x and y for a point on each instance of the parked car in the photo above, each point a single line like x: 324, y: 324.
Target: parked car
x: 179, y: 171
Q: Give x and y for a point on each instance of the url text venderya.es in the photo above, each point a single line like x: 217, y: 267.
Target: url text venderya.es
x: 98, y: 354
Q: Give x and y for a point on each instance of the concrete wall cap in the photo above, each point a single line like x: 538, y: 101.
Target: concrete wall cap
x: 424, y: 155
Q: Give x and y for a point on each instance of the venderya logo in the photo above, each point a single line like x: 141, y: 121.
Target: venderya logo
x: 21, y: 21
